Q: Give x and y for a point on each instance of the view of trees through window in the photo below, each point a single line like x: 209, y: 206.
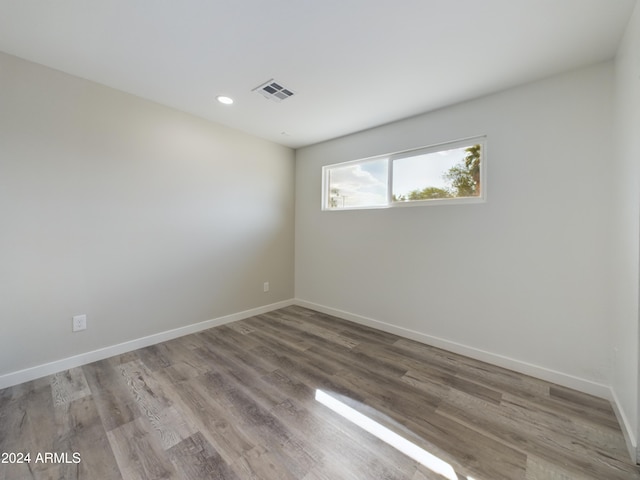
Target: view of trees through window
x: 419, y: 175
x: 444, y: 174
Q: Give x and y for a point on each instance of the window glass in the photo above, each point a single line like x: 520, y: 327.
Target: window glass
x: 357, y: 185
x: 446, y: 173
x: 451, y: 173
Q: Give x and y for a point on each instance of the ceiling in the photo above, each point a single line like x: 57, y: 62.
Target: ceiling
x: 352, y: 64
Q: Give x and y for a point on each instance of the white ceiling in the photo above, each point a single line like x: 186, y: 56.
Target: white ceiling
x: 353, y: 64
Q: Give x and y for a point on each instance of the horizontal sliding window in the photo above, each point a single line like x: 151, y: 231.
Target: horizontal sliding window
x: 446, y: 173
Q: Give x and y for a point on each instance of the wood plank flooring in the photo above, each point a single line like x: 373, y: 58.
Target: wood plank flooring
x: 241, y: 401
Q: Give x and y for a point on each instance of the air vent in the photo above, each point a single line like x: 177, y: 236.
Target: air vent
x: 274, y: 91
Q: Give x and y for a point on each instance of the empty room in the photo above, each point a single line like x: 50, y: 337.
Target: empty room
x: 367, y: 239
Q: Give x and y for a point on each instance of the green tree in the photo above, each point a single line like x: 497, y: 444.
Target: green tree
x: 465, y: 177
x: 428, y: 193
x: 333, y: 198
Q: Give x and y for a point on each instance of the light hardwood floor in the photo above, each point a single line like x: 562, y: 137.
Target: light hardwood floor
x: 244, y: 401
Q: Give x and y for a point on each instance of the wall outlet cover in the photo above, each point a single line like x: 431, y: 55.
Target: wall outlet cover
x: 79, y: 323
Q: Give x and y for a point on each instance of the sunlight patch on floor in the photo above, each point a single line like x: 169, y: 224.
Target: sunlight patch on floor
x: 432, y: 462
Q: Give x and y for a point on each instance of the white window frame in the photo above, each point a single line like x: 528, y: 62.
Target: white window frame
x: 391, y: 158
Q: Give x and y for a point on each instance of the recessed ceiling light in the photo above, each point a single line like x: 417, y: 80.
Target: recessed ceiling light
x: 225, y: 100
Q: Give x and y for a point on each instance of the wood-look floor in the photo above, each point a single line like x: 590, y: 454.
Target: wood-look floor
x: 239, y: 402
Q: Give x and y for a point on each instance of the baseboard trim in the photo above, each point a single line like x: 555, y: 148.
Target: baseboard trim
x: 32, y: 373
x: 577, y: 383
x: 625, y: 425
x: 570, y: 381
x: 580, y: 384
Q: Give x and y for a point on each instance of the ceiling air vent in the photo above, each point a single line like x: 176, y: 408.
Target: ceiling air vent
x: 274, y: 91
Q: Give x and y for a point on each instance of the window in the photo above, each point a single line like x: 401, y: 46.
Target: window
x: 363, y: 183
x: 446, y: 173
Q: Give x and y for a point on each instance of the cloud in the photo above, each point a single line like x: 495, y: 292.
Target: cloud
x: 359, y: 185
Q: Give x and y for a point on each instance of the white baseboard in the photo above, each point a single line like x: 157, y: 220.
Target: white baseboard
x: 583, y: 385
x: 625, y: 425
x: 576, y: 383
x: 570, y: 381
x: 14, y: 378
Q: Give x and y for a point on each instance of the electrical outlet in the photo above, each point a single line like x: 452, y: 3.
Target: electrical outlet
x: 79, y: 323
x: 265, y: 286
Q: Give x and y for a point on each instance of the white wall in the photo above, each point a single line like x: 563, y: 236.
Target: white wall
x: 626, y: 227
x: 142, y: 217
x: 521, y: 280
